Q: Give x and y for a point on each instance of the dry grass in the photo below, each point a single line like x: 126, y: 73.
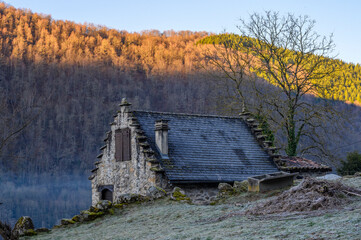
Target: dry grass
x: 311, y: 194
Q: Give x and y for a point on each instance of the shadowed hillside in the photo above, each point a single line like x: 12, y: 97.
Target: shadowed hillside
x: 70, y: 78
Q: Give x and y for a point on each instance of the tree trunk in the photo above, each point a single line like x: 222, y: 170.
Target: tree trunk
x: 292, y: 140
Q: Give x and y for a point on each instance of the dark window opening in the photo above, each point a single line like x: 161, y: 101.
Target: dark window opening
x: 122, y: 145
x: 107, y: 195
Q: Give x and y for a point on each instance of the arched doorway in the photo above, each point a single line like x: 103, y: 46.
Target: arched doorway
x: 107, y: 195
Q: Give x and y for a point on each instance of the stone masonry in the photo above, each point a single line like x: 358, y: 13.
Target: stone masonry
x: 126, y: 177
x: 198, y: 153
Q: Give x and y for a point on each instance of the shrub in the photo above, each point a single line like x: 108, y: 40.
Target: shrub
x: 351, y: 165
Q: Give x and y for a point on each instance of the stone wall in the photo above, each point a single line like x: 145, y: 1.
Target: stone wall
x: 200, y: 193
x: 127, y: 177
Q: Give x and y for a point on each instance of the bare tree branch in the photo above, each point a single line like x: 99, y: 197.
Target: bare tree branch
x: 289, y: 54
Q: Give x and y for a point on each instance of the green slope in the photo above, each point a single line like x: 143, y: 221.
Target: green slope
x: 347, y: 83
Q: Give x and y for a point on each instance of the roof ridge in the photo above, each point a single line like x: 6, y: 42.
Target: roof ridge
x: 188, y: 114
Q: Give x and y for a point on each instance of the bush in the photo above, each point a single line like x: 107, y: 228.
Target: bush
x: 352, y: 164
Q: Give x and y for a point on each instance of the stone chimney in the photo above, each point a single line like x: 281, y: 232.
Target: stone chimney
x: 124, y: 106
x: 161, y: 135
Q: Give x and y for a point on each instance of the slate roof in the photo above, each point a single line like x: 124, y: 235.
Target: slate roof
x: 207, y: 148
x: 299, y: 164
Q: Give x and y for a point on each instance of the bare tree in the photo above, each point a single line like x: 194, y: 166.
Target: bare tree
x: 289, y: 54
x: 231, y: 59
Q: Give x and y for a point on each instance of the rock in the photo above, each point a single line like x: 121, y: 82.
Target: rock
x: 330, y: 176
x: 90, y: 216
x: 103, y: 205
x: 156, y: 192
x: 85, y: 215
x: 77, y: 218
x: 93, y: 209
x: 241, y: 186
x: 135, y: 198
x: 225, y: 187
x: 22, y: 226
x: 178, y: 194
x: 139, y: 198
x: 131, y: 198
x: 119, y: 205
x: 357, y: 174
x: 66, y: 222
x: 124, y: 198
x: 178, y: 189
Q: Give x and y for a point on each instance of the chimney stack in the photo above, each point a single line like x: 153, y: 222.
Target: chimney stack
x: 161, y: 135
x: 124, y: 106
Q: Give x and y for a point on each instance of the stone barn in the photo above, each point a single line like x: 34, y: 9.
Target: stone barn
x: 146, y: 149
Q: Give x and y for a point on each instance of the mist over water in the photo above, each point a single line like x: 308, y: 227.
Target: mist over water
x: 45, y: 199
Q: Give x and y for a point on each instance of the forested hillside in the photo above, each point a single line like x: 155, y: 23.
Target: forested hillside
x: 70, y: 77
x: 346, y: 82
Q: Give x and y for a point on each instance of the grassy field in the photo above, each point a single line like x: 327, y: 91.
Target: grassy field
x: 165, y: 219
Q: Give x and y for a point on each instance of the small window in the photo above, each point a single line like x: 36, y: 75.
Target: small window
x: 122, y: 145
x: 107, y: 195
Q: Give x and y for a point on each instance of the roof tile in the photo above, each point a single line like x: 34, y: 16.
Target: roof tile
x: 207, y: 148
